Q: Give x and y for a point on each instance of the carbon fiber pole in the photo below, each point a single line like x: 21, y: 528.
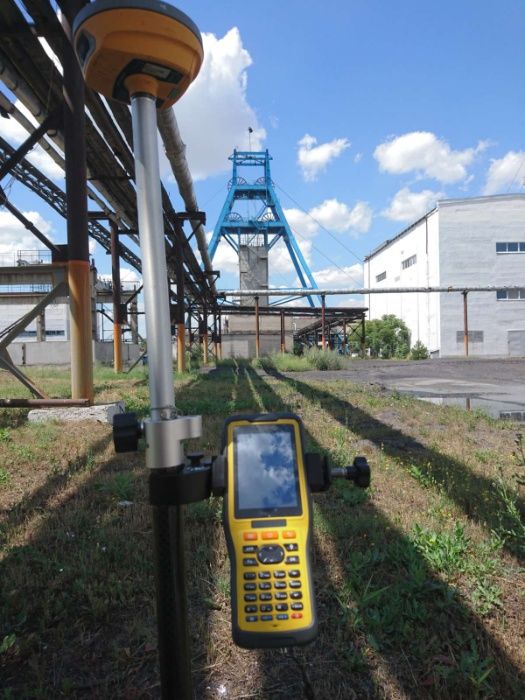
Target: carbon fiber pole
x: 172, y: 627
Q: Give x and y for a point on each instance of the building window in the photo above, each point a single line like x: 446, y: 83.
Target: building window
x: 409, y: 262
x: 473, y: 336
x: 510, y: 247
x: 381, y: 277
x: 510, y: 295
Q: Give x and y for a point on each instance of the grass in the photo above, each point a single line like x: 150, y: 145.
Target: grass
x: 419, y: 579
x: 313, y: 358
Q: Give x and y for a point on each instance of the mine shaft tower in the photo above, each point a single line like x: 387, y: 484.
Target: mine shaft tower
x: 252, y: 222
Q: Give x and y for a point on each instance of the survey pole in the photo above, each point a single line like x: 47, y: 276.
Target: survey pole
x: 115, y: 279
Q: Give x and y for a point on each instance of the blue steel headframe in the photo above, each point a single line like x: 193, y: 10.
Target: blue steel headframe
x: 269, y: 222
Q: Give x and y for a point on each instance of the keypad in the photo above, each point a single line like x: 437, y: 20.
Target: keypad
x: 269, y: 599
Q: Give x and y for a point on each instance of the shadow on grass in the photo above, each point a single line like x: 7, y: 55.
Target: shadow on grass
x: 473, y: 493
x: 390, y: 627
x: 77, y: 591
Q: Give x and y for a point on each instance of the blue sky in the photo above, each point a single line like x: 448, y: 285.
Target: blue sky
x: 371, y: 111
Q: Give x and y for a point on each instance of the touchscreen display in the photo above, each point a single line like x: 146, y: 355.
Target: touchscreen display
x: 265, y: 466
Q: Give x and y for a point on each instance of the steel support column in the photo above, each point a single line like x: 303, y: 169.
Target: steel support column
x: 283, y: 339
x: 77, y: 219
x: 257, y: 338
x: 205, y: 335
x: 115, y: 278
x: 323, y: 319
x: 363, y: 338
x: 219, y: 340
x: 181, y: 328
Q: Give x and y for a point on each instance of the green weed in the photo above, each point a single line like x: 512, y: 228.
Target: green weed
x: 5, y: 477
x: 444, y: 551
x: 120, y: 486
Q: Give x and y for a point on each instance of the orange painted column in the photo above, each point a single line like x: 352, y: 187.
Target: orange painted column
x: 80, y: 330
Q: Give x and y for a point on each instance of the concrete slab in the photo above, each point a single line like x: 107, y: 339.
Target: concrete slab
x: 101, y: 413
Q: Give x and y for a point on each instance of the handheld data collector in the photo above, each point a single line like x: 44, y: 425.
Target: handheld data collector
x: 268, y: 524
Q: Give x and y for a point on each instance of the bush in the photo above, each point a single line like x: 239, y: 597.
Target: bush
x: 419, y: 352
x: 324, y: 360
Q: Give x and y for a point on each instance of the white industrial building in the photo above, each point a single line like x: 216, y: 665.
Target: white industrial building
x: 462, y: 242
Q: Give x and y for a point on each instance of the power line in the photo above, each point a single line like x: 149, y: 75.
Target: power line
x: 320, y: 225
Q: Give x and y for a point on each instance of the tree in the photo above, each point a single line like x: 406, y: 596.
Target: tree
x: 387, y: 337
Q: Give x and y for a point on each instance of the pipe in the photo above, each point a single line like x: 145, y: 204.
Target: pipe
x: 176, y: 154
x: 42, y: 403
x: 222, y: 293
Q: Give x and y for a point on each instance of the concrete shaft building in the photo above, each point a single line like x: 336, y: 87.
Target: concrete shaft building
x: 462, y: 242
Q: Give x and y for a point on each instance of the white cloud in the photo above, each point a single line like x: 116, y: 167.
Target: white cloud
x: 337, y: 216
x: 15, y: 134
x: 505, y: 172
x: 14, y: 236
x: 427, y: 155
x: 340, y: 277
x: 214, y: 115
x: 332, y: 215
x: 280, y: 262
x: 301, y: 222
x: 358, y: 157
x: 409, y: 206
x: 314, y: 159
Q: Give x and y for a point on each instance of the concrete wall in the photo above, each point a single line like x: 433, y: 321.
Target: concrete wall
x: 469, y: 231
x: 420, y: 312
x: 253, y: 272
x: 456, y: 245
x: 59, y: 353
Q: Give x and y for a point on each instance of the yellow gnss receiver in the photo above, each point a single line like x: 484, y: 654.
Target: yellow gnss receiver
x: 130, y: 46
x: 268, y: 526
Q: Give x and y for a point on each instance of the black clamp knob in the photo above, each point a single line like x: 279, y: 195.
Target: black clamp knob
x: 195, y: 458
x: 359, y: 472
x: 126, y: 432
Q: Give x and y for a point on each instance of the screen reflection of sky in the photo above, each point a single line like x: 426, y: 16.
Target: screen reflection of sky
x: 265, y: 467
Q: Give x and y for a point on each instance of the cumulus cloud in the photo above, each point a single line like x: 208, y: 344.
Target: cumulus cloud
x: 339, y: 277
x: 14, y: 236
x: 409, y: 206
x: 337, y: 216
x: 313, y: 158
x: 214, y: 115
x: 332, y: 215
x: 424, y: 153
x: 280, y: 263
x: 505, y: 172
x: 15, y: 134
x: 301, y: 222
